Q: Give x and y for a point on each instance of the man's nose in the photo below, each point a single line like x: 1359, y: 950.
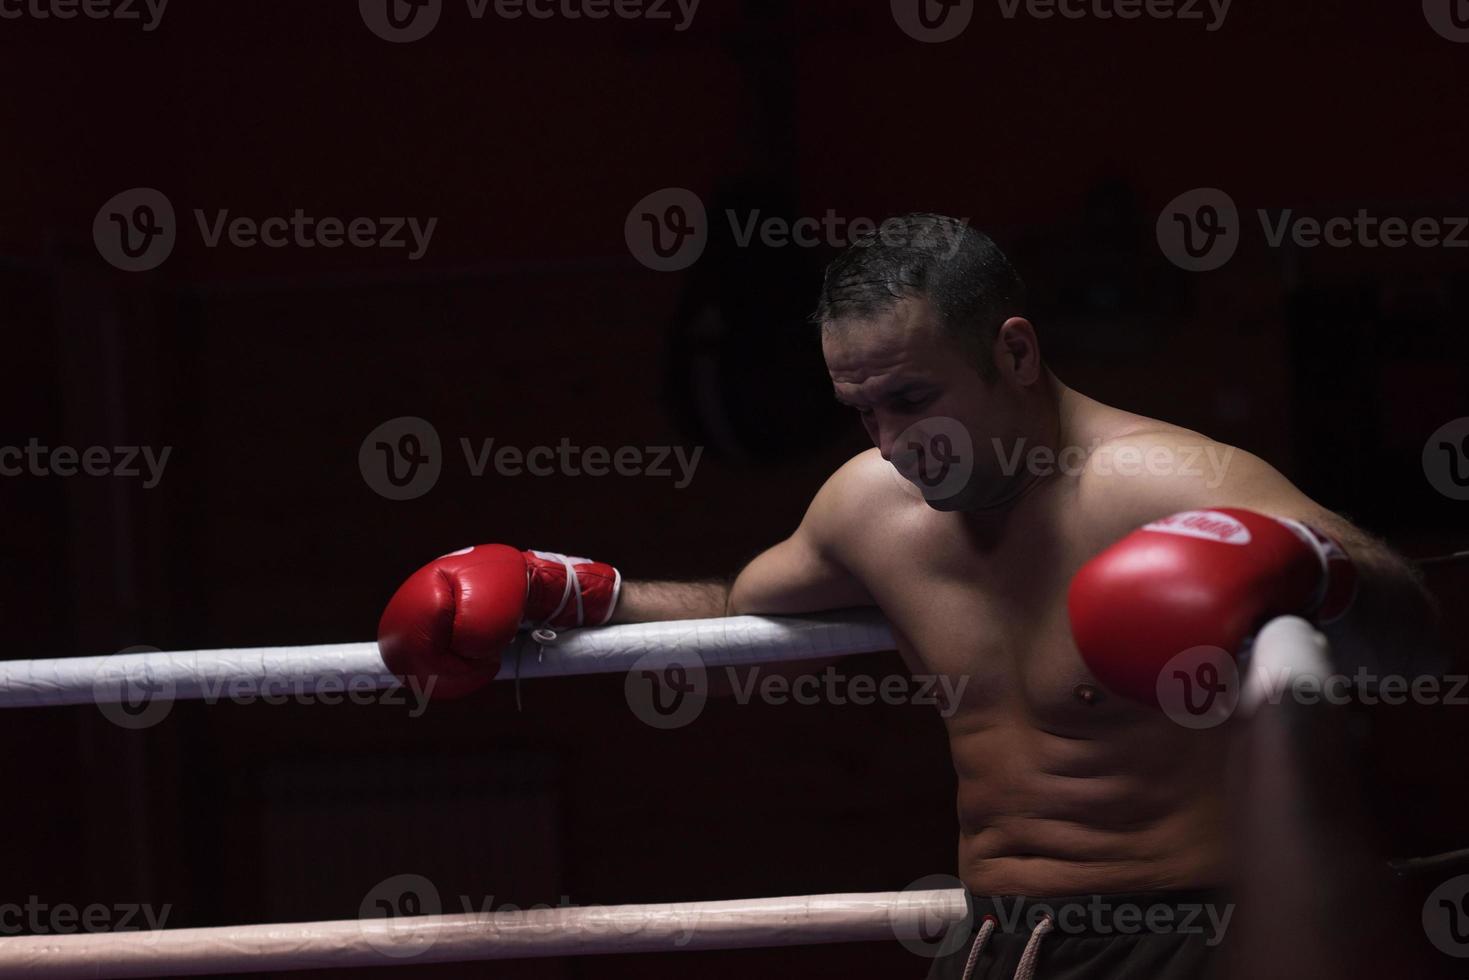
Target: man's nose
x: 894, y: 448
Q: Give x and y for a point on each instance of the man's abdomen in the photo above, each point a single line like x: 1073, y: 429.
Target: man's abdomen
x: 1134, y: 808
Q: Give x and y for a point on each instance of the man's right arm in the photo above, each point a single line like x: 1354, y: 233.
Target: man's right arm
x: 802, y: 574
x: 449, y: 623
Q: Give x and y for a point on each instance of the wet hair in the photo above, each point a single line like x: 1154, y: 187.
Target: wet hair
x: 958, y: 269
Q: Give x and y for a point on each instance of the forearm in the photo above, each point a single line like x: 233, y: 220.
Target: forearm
x: 654, y: 602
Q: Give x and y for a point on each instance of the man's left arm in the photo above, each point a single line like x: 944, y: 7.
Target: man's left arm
x: 1391, y: 623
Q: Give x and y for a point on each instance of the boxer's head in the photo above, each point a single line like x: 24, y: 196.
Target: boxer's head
x: 921, y: 322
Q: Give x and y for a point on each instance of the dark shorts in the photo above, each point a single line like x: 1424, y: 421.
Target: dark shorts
x: 1145, y: 934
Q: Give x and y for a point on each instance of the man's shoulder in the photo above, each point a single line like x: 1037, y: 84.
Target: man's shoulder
x: 1144, y: 470
x: 1141, y: 475
x: 864, y: 481
x: 860, y: 492
x: 1150, y: 435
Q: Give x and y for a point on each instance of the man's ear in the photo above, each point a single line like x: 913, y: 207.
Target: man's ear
x: 1017, y: 352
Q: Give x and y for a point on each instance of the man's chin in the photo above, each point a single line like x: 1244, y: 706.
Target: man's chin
x: 950, y: 504
x: 968, y: 498
x: 976, y: 499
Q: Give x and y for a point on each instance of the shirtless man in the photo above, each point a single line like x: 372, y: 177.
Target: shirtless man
x: 1066, y: 787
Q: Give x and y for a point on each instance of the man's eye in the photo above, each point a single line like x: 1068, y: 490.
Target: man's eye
x: 909, y: 404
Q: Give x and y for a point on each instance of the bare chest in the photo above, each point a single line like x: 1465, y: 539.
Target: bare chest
x: 987, y: 611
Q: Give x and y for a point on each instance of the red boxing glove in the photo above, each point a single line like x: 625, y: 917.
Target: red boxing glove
x: 449, y: 623
x: 1199, y: 578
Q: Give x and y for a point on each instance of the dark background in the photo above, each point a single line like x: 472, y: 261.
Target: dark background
x: 530, y: 321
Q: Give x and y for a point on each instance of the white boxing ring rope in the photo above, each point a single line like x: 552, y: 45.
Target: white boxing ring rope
x: 761, y: 922
x: 1287, y: 650
x: 730, y: 642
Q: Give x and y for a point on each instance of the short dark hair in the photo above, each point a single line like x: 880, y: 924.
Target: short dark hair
x: 958, y: 269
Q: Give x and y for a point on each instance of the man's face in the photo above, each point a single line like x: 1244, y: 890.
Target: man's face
x: 924, y: 403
